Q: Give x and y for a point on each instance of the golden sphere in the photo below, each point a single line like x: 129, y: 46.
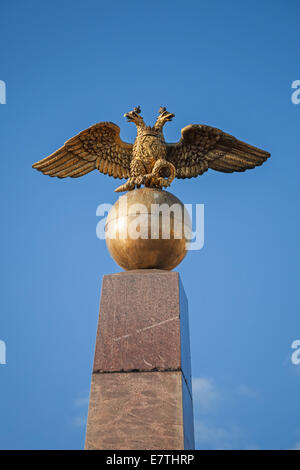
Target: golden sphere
x: 148, y: 228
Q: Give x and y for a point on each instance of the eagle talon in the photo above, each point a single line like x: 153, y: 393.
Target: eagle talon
x: 139, y: 180
x: 163, y: 183
x: 148, y: 179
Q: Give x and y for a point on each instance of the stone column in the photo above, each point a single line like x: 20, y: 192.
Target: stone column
x: 141, y: 395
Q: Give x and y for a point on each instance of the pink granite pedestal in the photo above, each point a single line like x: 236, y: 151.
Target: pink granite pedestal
x: 141, y: 396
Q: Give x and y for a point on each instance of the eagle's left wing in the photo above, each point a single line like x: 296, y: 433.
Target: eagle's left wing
x: 202, y: 147
x: 98, y: 147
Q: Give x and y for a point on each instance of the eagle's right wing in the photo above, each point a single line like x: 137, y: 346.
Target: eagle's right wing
x: 202, y: 147
x: 98, y: 147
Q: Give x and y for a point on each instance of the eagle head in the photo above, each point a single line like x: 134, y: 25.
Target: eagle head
x: 134, y: 116
x: 163, y: 117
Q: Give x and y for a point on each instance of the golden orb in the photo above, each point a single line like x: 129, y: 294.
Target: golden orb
x: 148, y: 228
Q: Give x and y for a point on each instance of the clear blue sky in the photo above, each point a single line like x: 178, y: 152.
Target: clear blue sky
x: 69, y: 64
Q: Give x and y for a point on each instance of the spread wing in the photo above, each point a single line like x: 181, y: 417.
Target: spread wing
x: 98, y: 147
x: 202, y: 147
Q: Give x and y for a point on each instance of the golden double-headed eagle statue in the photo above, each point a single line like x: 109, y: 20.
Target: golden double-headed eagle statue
x: 150, y: 161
